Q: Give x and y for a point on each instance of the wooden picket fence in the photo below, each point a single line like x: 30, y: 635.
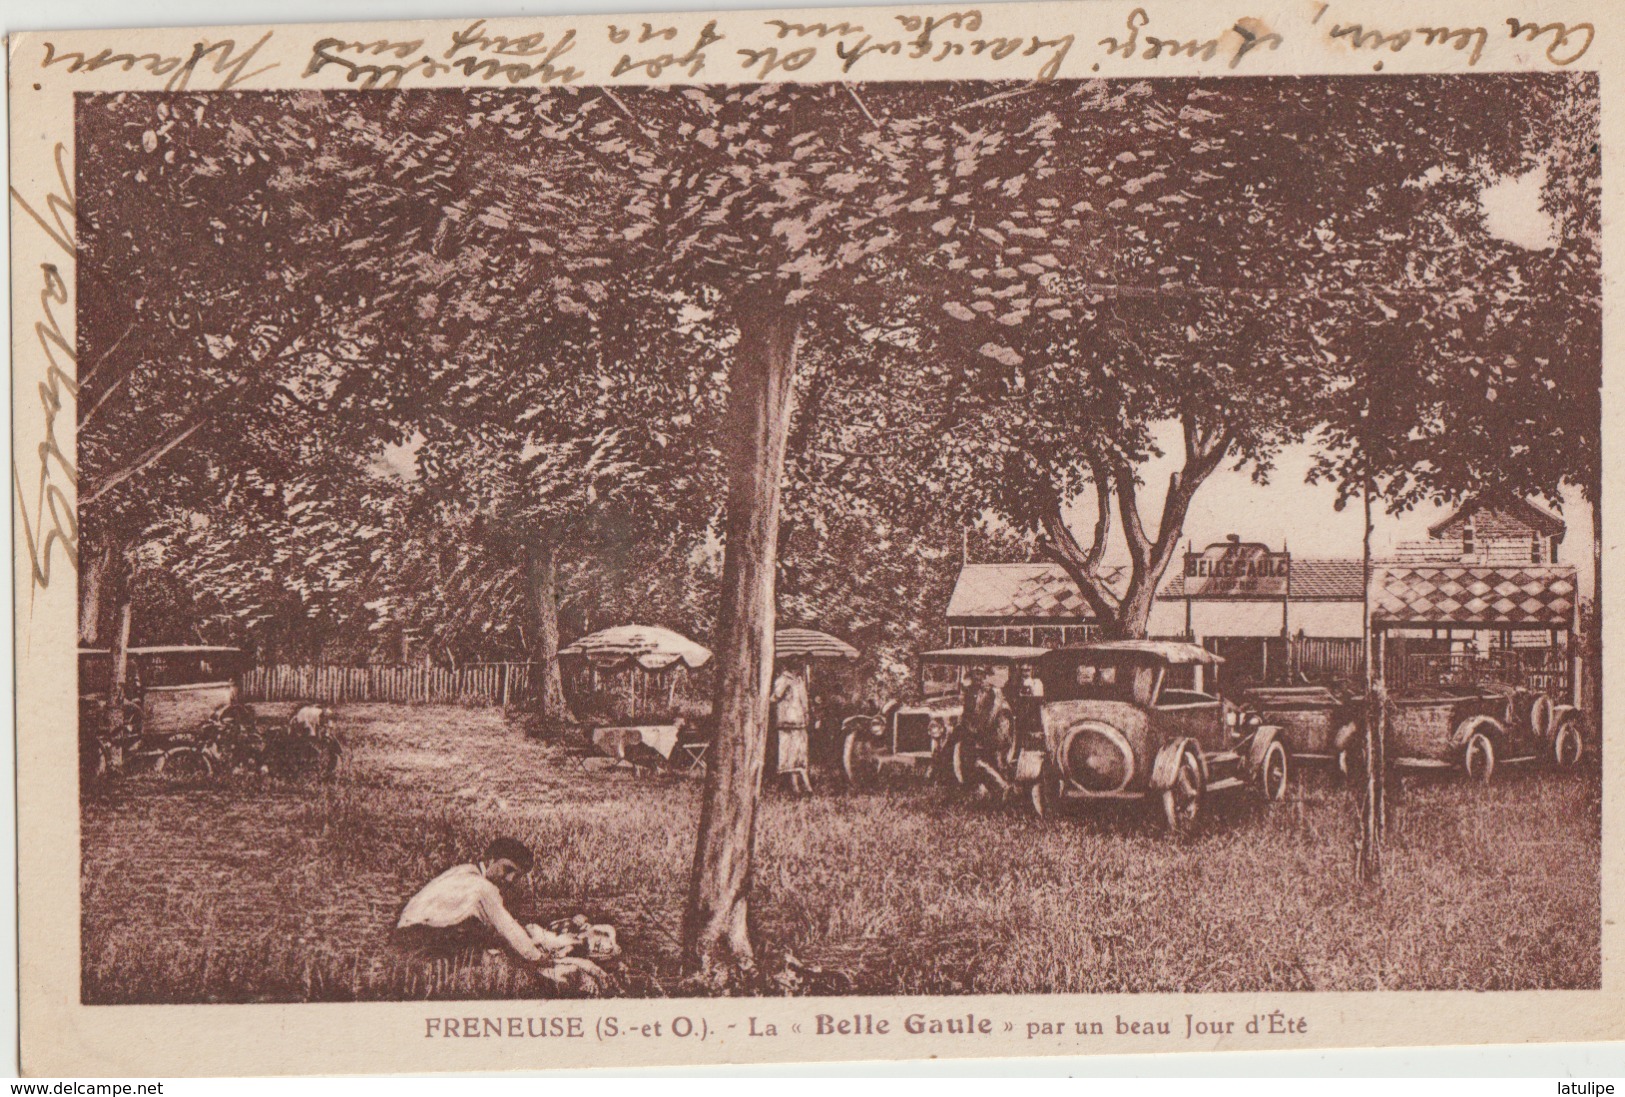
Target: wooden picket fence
x: 474, y: 684
x: 1333, y: 657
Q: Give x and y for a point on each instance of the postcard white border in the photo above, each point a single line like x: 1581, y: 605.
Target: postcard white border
x: 61, y: 1037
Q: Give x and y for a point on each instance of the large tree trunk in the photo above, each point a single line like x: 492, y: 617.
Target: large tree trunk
x: 542, y: 587
x: 119, y: 679
x: 1374, y: 789
x: 115, y: 588
x: 1133, y: 620
x: 92, y: 585
x: 716, y: 939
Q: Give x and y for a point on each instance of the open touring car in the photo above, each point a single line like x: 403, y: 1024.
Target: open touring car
x: 929, y: 734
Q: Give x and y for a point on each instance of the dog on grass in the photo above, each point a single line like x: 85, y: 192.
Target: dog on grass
x: 645, y: 758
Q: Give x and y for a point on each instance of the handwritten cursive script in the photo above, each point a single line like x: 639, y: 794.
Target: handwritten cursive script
x: 51, y: 521
x: 1576, y: 39
x: 1564, y: 43
x: 221, y: 59
x: 473, y: 53
x: 1249, y: 35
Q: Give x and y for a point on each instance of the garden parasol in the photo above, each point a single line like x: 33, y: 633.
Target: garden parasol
x: 640, y: 705
x: 809, y: 644
x: 649, y: 646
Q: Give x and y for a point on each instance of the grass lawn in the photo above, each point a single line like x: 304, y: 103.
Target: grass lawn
x: 253, y: 890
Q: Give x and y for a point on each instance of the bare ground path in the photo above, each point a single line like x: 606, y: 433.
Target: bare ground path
x: 252, y: 890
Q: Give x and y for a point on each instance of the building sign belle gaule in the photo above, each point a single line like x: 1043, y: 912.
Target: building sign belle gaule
x: 1237, y: 569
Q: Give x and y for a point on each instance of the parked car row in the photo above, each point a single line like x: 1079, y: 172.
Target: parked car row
x: 1122, y: 720
x: 1130, y: 720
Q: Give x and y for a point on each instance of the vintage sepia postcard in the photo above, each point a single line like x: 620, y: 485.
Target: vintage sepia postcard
x: 831, y: 534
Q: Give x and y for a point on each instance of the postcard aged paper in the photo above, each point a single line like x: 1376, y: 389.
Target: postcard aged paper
x: 815, y: 535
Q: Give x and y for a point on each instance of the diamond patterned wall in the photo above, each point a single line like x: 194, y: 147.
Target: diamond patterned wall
x: 1535, y: 595
x: 1023, y: 592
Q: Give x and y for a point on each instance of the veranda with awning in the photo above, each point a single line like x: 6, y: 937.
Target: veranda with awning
x: 1459, y: 622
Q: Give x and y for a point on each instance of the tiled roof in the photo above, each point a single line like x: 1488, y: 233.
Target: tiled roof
x: 1042, y: 591
x: 1526, y: 596
x: 1532, y: 596
x: 1312, y: 581
x: 1045, y: 592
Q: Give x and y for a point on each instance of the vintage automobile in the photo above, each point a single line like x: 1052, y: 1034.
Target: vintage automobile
x: 1127, y: 719
x: 181, y: 718
x: 173, y: 688
x: 239, y: 740
x: 172, y: 695
x: 1476, y: 726
x: 927, y: 734
x: 1316, y: 723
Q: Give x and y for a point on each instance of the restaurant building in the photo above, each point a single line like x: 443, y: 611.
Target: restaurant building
x: 1262, y: 635
x: 1484, y: 580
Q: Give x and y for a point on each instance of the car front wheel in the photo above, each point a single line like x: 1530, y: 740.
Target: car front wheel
x: 1478, y: 757
x: 1273, y: 773
x: 184, y: 764
x: 1182, y: 800
x: 1541, y: 711
x: 1568, y: 745
x: 857, y: 759
x: 960, y: 762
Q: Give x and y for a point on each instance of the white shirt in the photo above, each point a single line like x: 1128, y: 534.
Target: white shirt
x: 461, y: 893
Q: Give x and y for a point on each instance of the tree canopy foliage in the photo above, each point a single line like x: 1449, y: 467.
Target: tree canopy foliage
x: 402, y: 361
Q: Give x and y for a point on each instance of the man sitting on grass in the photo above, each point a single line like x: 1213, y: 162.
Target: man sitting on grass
x: 462, y: 908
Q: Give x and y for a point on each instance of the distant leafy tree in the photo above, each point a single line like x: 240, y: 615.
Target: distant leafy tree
x: 292, y: 580
x: 1210, y: 255
x: 213, y: 344
x: 1474, y: 363
x: 224, y: 352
